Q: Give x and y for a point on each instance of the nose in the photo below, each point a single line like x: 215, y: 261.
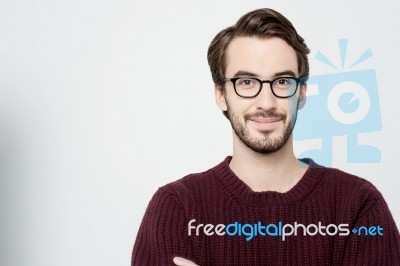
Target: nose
x: 266, y: 99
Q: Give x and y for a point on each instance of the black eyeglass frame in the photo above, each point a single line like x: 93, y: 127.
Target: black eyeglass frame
x: 233, y: 80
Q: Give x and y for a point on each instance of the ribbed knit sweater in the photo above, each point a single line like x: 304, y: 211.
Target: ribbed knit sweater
x: 323, y: 196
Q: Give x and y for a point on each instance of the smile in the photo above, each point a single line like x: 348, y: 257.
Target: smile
x: 265, y: 119
x: 264, y: 123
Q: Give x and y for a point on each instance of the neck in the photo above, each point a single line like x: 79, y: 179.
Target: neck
x: 277, y: 171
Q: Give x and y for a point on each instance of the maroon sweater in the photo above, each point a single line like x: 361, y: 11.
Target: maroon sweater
x: 252, y: 223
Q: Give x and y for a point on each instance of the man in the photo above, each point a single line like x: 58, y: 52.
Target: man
x: 263, y: 206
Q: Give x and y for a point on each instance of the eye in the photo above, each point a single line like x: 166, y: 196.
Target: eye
x: 246, y: 82
x: 283, y: 81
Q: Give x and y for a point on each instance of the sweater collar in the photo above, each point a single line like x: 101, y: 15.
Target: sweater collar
x: 238, y: 189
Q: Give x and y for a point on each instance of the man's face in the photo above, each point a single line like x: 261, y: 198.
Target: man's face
x: 264, y: 123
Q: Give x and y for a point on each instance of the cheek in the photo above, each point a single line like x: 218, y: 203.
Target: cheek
x: 239, y: 107
x: 292, y: 106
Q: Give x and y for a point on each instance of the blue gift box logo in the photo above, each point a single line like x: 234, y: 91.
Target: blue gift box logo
x: 343, y: 104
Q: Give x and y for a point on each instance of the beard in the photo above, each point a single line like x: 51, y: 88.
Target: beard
x: 266, y: 143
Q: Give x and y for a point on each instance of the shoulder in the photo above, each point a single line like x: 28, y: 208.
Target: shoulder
x: 342, y: 183
x: 351, y: 192
x: 189, y: 186
x: 176, y: 197
x: 351, y: 184
x: 350, y: 196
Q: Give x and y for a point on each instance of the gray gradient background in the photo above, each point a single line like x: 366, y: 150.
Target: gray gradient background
x: 101, y: 102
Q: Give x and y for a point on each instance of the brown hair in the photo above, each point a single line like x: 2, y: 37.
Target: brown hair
x: 263, y: 23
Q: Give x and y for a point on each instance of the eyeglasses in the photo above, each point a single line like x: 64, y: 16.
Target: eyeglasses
x: 282, y: 87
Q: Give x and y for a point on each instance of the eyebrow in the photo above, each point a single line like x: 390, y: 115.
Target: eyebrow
x: 241, y: 73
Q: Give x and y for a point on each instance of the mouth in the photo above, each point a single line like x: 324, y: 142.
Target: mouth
x: 265, y: 119
x: 265, y: 123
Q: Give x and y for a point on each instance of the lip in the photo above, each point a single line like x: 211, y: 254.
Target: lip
x: 263, y: 123
x: 265, y: 119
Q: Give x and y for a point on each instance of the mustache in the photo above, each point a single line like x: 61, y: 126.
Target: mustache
x: 266, y: 114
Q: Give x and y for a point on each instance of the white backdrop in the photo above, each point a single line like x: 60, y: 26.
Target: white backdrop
x: 101, y: 102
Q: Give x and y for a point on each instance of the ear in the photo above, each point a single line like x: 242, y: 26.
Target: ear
x: 302, y: 96
x: 220, y: 98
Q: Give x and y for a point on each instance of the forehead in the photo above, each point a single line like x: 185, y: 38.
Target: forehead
x: 263, y: 57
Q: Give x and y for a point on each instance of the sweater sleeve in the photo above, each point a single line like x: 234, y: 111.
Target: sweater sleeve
x: 162, y: 234
x: 366, y: 246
